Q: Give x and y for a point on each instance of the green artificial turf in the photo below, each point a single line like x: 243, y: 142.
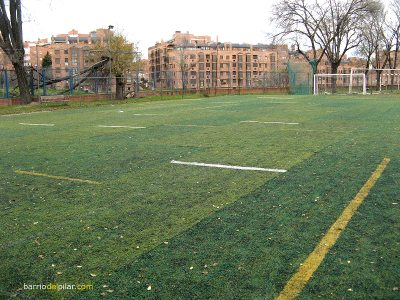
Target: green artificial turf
x: 196, y: 232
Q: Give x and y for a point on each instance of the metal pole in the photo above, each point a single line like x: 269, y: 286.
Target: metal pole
x: 110, y: 27
x: 44, y: 81
x: 6, y: 82
x: 37, y: 67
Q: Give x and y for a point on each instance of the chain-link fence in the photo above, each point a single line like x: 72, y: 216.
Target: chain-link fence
x: 138, y: 83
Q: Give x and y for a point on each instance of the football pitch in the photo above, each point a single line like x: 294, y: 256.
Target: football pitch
x: 230, y: 197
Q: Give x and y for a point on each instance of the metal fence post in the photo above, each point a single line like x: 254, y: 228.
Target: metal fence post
x: 31, y: 82
x: 71, y: 82
x: 44, y: 81
x: 6, y: 82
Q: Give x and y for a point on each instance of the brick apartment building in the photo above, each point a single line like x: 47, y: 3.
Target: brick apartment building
x: 68, y: 51
x: 196, y: 62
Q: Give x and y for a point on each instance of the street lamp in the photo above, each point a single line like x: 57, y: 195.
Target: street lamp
x: 110, y: 27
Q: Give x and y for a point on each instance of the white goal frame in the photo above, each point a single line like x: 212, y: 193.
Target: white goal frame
x: 351, y: 76
x: 396, y: 74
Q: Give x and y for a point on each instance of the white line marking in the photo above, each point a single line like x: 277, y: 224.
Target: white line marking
x: 32, y: 124
x: 285, y: 123
x: 177, y: 125
x: 283, y: 98
x: 118, y: 126
x: 226, y: 166
x: 34, y: 112
x: 146, y: 114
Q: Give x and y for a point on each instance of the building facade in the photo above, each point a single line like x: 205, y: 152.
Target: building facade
x: 195, y: 62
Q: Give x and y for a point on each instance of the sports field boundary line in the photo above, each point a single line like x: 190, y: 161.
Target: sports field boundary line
x: 299, y: 280
x: 22, y: 172
x: 227, y: 166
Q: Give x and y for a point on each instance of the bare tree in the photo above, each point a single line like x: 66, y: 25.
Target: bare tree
x: 183, y: 61
x: 11, y: 42
x: 372, y: 33
x: 330, y: 27
x: 340, y: 29
x: 299, y: 22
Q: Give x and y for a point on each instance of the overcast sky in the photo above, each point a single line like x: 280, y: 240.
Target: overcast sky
x: 146, y: 22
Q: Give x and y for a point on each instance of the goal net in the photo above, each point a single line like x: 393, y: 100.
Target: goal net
x: 380, y: 80
x: 340, y: 84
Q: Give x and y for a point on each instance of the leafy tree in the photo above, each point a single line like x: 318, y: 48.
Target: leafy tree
x: 47, y: 61
x: 123, y: 54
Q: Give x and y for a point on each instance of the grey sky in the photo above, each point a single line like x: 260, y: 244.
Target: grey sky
x: 149, y: 21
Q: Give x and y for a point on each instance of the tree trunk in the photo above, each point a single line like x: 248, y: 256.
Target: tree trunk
x: 23, y: 84
x: 334, y: 67
x: 120, y: 87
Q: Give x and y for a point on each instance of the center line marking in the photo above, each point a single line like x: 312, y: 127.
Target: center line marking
x: 119, y: 126
x: 56, y: 177
x: 297, y: 282
x: 226, y: 166
x: 285, y: 123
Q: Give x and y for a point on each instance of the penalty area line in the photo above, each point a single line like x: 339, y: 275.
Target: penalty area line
x: 298, y: 281
x: 56, y: 177
x: 227, y: 166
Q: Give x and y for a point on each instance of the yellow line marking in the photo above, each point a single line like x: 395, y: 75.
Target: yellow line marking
x: 56, y: 177
x: 297, y: 282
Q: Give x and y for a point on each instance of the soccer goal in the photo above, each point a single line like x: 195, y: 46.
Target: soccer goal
x: 340, y: 84
x: 380, y: 80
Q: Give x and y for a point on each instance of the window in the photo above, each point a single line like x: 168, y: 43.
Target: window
x: 227, y: 57
x: 233, y: 56
x: 192, y: 56
x: 221, y: 57
x: 66, y: 60
x: 66, y: 51
x: 57, y: 61
x: 56, y: 52
x: 207, y: 65
x: 234, y: 65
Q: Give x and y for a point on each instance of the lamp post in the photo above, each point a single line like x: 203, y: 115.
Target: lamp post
x: 110, y: 27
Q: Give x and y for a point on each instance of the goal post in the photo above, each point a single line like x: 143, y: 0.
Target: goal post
x: 340, y: 83
x: 380, y: 80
